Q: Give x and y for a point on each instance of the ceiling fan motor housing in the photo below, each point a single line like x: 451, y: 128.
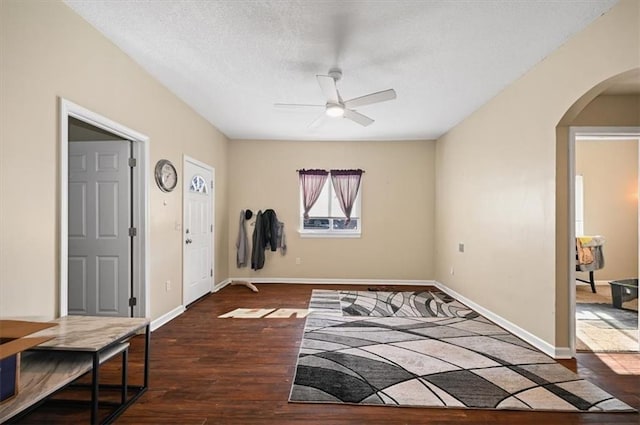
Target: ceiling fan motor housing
x: 335, y: 73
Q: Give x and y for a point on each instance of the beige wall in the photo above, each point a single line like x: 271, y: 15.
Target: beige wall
x: 397, y: 207
x: 47, y: 51
x: 610, y: 111
x: 496, y: 180
x: 610, y: 172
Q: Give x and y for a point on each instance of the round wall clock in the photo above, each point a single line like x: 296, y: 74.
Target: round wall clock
x: 166, y: 175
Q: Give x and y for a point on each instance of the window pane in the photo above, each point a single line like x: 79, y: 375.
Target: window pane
x: 336, y: 211
x: 316, y: 224
x: 321, y: 207
x: 198, y: 184
x: 341, y: 224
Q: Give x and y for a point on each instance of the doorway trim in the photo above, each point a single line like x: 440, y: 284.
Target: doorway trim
x: 186, y: 159
x: 591, y: 133
x: 141, y: 285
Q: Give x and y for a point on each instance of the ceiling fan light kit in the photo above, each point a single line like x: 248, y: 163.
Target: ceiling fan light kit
x: 334, y: 110
x: 335, y: 107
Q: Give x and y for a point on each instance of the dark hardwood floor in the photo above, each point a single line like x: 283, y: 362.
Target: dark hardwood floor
x: 206, y: 370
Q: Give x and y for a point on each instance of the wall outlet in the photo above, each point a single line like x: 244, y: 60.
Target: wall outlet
x: 167, y: 286
x: 460, y: 247
x: 298, y: 261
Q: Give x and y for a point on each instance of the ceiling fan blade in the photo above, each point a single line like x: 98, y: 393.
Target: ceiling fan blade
x: 328, y: 86
x: 354, y: 116
x: 368, y: 99
x: 298, y: 106
x: 318, y: 121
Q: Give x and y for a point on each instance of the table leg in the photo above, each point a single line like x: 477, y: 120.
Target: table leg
x: 147, y: 338
x: 125, y: 383
x: 95, y: 376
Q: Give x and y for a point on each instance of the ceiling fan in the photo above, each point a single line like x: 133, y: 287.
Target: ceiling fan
x: 335, y: 107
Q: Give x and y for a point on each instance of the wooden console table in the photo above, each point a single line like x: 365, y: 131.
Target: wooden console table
x: 79, y: 345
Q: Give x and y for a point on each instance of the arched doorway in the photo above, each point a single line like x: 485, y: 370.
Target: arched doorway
x: 589, y: 117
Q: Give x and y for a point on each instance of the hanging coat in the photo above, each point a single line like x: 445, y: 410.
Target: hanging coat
x: 282, y: 238
x: 257, y: 251
x: 270, y: 229
x: 242, y: 243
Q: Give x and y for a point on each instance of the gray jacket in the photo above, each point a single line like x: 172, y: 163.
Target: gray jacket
x: 242, y: 243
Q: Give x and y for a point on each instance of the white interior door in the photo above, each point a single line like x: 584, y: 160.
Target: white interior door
x: 197, y: 230
x: 98, y: 231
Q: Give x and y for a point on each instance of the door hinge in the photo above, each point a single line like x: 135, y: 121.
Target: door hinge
x: 211, y: 274
x: 212, y: 228
x: 211, y: 184
x: 133, y: 162
x: 133, y: 231
x: 133, y: 301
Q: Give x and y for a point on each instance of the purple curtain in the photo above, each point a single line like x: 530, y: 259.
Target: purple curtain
x: 312, y: 182
x: 346, y: 184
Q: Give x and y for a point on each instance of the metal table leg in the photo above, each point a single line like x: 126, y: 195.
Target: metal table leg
x: 147, y: 338
x: 125, y: 359
x: 95, y: 376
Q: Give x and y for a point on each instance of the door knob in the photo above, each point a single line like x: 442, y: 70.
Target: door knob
x: 188, y: 241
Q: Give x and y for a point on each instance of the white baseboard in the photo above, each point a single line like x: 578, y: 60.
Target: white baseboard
x: 322, y: 281
x: 563, y: 353
x: 218, y: 286
x: 545, y: 347
x: 167, y: 317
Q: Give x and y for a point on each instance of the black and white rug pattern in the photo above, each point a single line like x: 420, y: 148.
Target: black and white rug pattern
x: 388, y: 304
x: 456, y: 358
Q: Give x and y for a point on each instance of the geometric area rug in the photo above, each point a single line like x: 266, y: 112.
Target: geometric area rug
x: 383, y: 304
x: 435, y: 353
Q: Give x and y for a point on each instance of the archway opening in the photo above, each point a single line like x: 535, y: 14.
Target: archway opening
x: 609, y: 111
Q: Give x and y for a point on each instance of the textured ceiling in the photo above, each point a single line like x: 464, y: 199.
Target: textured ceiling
x: 232, y: 60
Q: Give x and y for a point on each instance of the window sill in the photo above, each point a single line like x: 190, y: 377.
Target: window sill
x: 328, y: 235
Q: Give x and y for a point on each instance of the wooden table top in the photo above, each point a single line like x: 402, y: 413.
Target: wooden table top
x: 88, y: 333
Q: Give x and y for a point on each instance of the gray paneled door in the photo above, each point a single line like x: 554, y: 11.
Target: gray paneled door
x: 99, y: 221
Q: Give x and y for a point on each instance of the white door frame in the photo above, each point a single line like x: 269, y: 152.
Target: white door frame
x: 593, y: 133
x: 186, y: 159
x: 140, y: 205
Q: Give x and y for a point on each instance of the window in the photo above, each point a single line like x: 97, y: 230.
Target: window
x: 198, y: 184
x: 326, y: 217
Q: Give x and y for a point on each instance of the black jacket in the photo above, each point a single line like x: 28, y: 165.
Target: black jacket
x: 257, y: 248
x: 270, y: 229
x: 265, y: 233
